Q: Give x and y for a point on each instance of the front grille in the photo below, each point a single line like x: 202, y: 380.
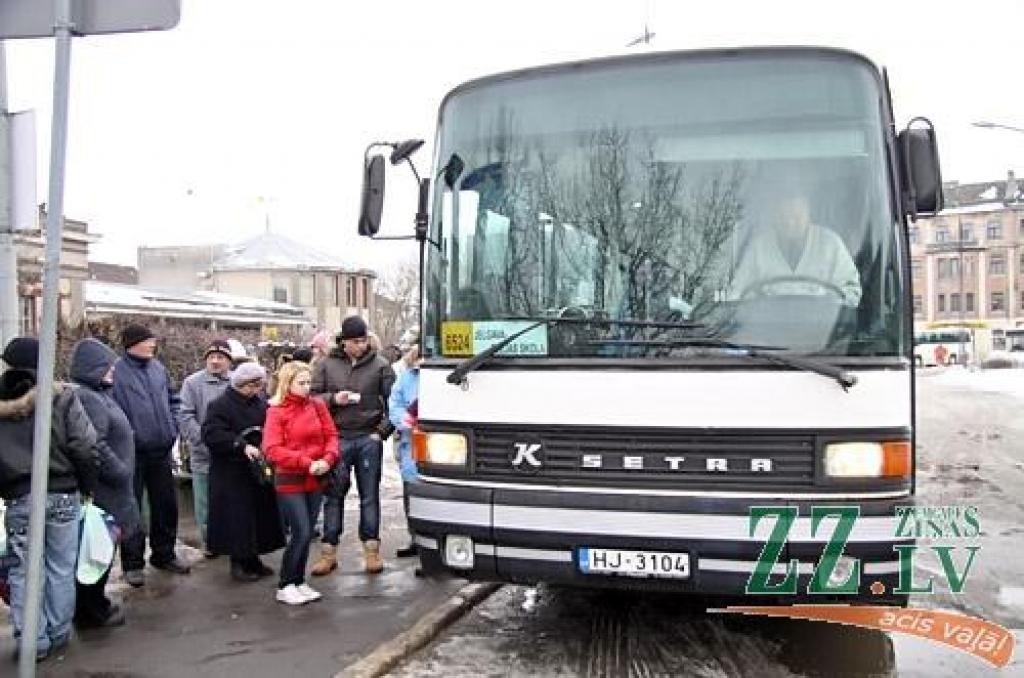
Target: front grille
x: 676, y: 459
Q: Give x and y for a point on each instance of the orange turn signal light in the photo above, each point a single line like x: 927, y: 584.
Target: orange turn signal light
x: 896, y: 459
x: 419, y: 445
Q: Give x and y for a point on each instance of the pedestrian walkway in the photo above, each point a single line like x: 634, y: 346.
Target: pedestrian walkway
x: 207, y: 624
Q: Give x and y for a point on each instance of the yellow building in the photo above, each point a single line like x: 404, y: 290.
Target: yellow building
x: 269, y: 266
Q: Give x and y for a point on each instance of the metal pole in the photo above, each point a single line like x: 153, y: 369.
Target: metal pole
x: 9, y: 317
x: 48, y: 335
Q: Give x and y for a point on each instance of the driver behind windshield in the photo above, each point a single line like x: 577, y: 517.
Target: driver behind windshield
x: 791, y: 255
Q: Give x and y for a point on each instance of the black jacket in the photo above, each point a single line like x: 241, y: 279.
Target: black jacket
x: 73, y: 458
x: 371, y: 377
x: 115, y: 441
x: 244, y: 519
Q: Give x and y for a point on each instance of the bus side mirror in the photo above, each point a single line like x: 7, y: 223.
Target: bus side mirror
x: 372, y: 204
x: 922, y: 179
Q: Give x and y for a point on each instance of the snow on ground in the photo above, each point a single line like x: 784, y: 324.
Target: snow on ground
x: 1005, y: 381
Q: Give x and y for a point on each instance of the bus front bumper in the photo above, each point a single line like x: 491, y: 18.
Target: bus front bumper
x: 530, y: 536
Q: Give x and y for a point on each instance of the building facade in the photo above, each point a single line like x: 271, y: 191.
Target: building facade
x: 271, y: 267
x: 74, y: 271
x: 967, y: 263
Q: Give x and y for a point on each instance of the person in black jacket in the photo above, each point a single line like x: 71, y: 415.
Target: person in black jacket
x: 355, y: 384
x: 244, y: 519
x: 92, y: 370
x: 143, y: 390
x: 72, y: 474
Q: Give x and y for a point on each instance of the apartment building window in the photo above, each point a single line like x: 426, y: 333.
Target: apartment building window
x: 280, y: 290
x: 998, y: 301
x: 919, y: 303
x: 954, y: 302
x: 994, y: 231
x: 366, y: 293
x: 941, y: 306
x: 28, y: 315
x: 969, y: 302
x: 999, y: 340
x: 332, y: 290
x: 916, y: 268
x: 350, y: 291
x: 307, y: 291
x: 949, y: 268
x: 997, y: 265
x: 941, y: 235
x: 1022, y: 301
x: 967, y: 232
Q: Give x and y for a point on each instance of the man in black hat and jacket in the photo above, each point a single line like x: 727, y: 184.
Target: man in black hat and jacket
x: 143, y: 390
x: 355, y: 383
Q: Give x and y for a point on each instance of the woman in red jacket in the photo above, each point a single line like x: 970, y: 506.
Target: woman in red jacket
x: 301, y: 442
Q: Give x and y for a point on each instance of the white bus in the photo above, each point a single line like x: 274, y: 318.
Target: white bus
x: 943, y: 346
x: 619, y: 366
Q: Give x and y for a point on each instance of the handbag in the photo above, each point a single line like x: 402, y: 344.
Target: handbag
x: 95, y: 548
x: 262, y: 471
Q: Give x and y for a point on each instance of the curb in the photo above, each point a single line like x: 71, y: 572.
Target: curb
x: 388, y: 654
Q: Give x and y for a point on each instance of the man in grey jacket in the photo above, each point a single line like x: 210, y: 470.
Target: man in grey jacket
x: 197, y: 392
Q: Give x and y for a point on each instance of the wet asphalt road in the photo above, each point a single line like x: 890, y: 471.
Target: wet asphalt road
x: 970, y: 451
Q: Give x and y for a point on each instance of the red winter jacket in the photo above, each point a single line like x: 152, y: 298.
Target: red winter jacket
x: 298, y: 432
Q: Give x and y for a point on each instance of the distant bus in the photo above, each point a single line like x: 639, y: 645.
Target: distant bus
x: 944, y: 346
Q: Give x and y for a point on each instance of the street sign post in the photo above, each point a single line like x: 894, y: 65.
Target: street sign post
x: 60, y: 19
x: 37, y: 18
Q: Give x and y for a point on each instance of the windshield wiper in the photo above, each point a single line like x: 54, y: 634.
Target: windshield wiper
x: 571, y: 320
x: 458, y: 375
x: 842, y: 377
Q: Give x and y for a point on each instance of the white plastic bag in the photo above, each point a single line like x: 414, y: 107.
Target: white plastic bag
x: 96, y: 549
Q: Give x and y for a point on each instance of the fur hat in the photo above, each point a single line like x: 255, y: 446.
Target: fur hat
x: 247, y: 373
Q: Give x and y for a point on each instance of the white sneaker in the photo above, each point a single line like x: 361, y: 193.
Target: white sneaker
x: 308, y: 592
x: 290, y: 595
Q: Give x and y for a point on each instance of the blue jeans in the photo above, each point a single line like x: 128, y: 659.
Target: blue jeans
x: 298, y: 510
x: 60, y: 553
x: 364, y: 456
x: 201, y: 501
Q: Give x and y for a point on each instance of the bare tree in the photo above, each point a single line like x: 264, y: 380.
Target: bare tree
x: 397, y: 302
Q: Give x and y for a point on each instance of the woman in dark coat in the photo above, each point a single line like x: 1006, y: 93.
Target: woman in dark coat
x: 92, y: 370
x: 244, y: 520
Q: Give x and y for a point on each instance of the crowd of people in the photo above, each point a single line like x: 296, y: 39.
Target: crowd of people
x: 270, y: 453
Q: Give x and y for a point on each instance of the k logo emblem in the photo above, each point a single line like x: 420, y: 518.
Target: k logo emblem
x: 527, y: 456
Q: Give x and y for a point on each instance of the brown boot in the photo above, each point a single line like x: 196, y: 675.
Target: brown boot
x: 371, y: 551
x: 327, y: 561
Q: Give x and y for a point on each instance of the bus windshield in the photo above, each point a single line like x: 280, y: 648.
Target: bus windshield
x: 742, y: 196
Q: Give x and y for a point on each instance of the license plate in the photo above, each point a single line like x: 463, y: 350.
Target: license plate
x: 634, y: 563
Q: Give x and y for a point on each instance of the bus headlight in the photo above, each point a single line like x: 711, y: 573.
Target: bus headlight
x: 868, y: 460
x: 440, y: 448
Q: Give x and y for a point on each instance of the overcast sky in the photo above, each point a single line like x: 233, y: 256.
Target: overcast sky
x: 255, y: 107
